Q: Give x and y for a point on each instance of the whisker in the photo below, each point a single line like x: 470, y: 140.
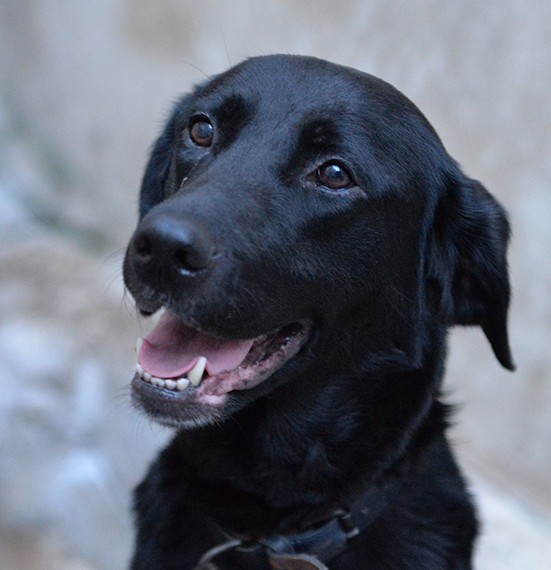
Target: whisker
x: 193, y: 66
x: 226, y: 46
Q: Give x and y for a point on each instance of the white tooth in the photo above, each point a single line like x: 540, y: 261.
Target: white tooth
x: 182, y: 384
x: 157, y: 381
x: 146, y: 376
x: 195, y: 375
x: 139, y: 369
x: 139, y: 343
x: 170, y: 384
x: 157, y: 316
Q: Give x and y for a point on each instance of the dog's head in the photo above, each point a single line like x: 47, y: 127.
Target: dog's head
x: 294, y: 214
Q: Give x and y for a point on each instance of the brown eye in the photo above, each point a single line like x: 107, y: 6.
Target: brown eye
x: 201, y: 132
x: 334, y: 176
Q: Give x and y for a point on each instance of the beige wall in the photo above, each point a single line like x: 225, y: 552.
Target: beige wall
x: 85, y: 86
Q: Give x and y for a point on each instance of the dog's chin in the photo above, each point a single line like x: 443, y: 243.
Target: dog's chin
x: 202, y: 396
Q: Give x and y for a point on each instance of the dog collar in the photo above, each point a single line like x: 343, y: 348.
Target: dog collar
x: 312, y: 549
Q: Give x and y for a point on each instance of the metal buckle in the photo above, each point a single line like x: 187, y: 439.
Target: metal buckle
x: 218, y: 549
x: 347, y: 523
x: 295, y: 562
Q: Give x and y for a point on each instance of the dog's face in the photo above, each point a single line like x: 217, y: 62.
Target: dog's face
x: 293, y: 213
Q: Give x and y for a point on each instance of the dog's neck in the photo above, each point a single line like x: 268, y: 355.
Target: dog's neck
x: 313, y: 462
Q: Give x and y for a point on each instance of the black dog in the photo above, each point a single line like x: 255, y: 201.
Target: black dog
x: 311, y: 242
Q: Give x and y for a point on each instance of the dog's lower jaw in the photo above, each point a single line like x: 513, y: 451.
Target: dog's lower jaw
x: 188, y: 424
x: 156, y: 404
x: 214, y: 398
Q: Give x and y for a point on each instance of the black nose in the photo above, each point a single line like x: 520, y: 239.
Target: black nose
x: 167, y: 245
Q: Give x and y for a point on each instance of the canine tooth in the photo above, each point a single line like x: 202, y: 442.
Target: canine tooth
x: 139, y: 343
x: 182, y: 384
x: 196, y: 373
x: 139, y: 369
x: 170, y: 384
x: 146, y: 376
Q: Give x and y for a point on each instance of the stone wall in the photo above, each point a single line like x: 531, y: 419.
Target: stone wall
x: 84, y: 87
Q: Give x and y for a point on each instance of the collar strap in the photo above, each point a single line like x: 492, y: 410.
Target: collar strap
x: 318, y: 545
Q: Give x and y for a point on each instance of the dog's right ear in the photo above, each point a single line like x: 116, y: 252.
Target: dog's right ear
x: 152, y: 190
x: 157, y: 170
x: 155, y: 175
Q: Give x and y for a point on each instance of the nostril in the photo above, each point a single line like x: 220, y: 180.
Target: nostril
x: 143, y: 246
x: 189, y: 259
x: 165, y: 244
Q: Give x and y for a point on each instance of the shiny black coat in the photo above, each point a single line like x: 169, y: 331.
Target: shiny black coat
x: 381, y: 268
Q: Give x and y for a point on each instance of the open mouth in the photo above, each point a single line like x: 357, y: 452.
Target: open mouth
x: 186, y: 365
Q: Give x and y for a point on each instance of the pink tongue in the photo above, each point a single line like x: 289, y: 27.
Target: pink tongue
x: 171, y: 349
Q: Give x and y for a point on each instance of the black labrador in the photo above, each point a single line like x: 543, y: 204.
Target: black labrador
x: 310, y: 242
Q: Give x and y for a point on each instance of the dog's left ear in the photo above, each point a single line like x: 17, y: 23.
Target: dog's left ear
x: 471, y: 233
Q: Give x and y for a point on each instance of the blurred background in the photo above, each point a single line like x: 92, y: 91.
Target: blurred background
x: 84, y: 88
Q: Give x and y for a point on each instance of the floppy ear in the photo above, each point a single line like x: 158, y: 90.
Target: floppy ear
x: 471, y: 232
x: 157, y: 170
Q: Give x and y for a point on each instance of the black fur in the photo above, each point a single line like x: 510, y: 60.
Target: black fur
x: 381, y: 269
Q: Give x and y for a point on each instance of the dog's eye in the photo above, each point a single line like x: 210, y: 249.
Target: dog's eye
x: 201, y: 132
x: 334, y: 175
